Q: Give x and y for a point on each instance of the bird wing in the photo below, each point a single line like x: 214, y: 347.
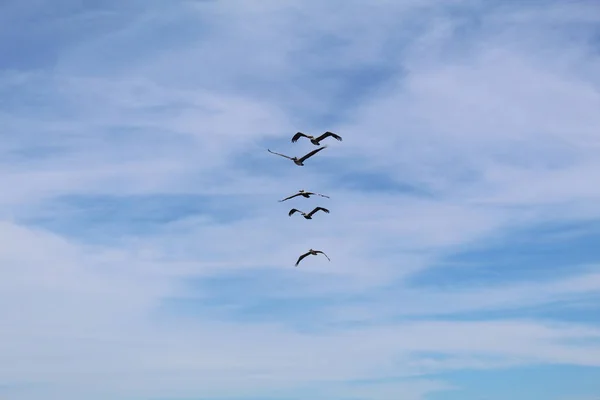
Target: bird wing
x: 319, y: 251
x: 301, y: 257
x: 279, y: 154
x: 326, y: 134
x: 322, y: 195
x: 290, y: 197
x: 317, y: 209
x: 297, y: 136
x: 293, y: 210
x: 312, y: 153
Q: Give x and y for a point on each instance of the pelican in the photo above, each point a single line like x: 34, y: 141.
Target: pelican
x: 300, y: 161
x: 312, y: 253
x: 316, y: 140
x: 310, y: 214
x: 303, y: 193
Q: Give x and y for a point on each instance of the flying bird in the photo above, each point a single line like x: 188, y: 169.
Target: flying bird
x: 315, y: 140
x: 303, y: 193
x: 310, y: 214
x: 300, y: 161
x: 312, y: 253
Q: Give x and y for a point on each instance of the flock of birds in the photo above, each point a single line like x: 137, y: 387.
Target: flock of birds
x: 300, y: 162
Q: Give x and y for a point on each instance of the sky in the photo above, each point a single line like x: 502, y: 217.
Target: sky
x: 145, y: 256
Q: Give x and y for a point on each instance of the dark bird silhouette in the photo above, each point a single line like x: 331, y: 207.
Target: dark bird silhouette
x: 312, y: 253
x: 316, y: 140
x: 310, y: 214
x: 303, y: 193
x: 300, y: 161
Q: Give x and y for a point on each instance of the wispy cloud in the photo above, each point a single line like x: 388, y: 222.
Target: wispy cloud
x: 145, y: 256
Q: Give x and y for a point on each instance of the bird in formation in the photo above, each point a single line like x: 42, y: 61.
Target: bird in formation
x: 299, y: 161
x: 315, y: 140
x: 310, y: 252
x: 303, y: 193
x: 310, y: 214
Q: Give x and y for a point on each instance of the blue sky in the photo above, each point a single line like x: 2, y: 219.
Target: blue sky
x: 145, y: 256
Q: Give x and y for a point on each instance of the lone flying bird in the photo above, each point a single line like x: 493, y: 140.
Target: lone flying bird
x: 303, y: 193
x: 310, y: 214
x: 316, y: 140
x: 312, y: 253
x: 300, y: 161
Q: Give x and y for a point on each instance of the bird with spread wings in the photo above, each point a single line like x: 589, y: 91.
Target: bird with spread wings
x: 315, y: 140
x: 310, y: 214
x: 299, y: 161
x: 312, y: 253
x: 305, y: 194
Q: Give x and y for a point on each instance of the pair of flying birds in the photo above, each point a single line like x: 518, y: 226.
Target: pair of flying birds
x: 314, y: 140
x: 300, y: 162
x: 307, y: 195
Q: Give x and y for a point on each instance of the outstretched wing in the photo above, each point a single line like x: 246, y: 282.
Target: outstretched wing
x: 319, y: 251
x: 322, y: 195
x: 290, y: 197
x: 327, y: 134
x: 317, y: 209
x: 312, y: 153
x: 301, y: 257
x: 297, y: 136
x: 282, y: 155
x: 293, y: 210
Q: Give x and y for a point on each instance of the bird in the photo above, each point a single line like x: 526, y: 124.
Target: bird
x: 300, y: 161
x: 310, y: 214
x: 310, y: 252
x: 315, y: 140
x: 303, y: 193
